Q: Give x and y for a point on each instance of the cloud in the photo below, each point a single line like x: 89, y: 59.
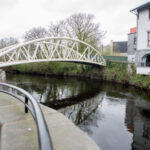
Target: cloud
x: 17, y: 16
x: 7, y: 4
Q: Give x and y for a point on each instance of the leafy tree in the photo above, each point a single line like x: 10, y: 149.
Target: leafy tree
x: 82, y: 27
x: 35, y: 33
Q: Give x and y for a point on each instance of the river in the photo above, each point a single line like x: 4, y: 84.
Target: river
x: 116, y: 117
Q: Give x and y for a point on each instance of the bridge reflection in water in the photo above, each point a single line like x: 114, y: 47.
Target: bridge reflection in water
x: 81, y: 112
x: 116, y: 117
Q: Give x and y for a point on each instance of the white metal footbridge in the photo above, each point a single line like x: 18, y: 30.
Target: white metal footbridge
x: 60, y: 49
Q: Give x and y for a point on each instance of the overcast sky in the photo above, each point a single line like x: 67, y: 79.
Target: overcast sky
x: 17, y: 16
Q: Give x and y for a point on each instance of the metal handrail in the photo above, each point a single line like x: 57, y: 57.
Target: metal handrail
x: 42, y: 129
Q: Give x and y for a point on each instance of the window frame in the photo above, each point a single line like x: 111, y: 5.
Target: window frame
x: 149, y: 13
x: 134, y: 41
x: 148, y: 38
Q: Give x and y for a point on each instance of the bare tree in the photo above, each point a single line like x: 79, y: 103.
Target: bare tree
x: 82, y: 27
x: 4, y: 42
x: 35, y: 33
x: 56, y: 29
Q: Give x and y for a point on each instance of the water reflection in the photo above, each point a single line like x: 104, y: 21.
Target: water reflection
x: 56, y: 92
x: 138, y: 123
x: 115, y: 116
x: 81, y: 112
x: 102, y: 117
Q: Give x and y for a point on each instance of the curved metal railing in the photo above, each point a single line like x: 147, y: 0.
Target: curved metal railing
x: 42, y: 129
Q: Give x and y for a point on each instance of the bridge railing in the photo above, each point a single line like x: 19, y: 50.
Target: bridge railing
x: 42, y: 129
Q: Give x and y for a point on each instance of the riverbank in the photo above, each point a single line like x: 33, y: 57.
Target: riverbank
x: 18, y: 130
x: 119, y: 72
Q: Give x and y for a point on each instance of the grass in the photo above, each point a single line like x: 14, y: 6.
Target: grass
x: 114, y: 71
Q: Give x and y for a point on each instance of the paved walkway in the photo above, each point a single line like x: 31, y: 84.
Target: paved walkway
x: 18, y: 130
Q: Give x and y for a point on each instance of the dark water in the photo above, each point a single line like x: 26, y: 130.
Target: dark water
x: 114, y: 116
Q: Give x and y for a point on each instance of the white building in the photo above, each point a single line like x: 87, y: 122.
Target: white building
x: 142, y: 54
x: 132, y: 45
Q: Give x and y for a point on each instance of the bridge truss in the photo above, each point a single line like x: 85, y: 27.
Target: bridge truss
x: 51, y: 49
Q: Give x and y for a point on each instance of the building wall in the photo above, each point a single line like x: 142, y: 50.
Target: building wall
x: 143, y: 26
x: 120, y: 47
x: 139, y: 55
x: 131, y: 47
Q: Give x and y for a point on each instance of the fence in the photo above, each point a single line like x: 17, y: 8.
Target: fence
x: 116, y: 58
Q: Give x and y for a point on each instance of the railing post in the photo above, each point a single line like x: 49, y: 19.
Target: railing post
x: 26, y: 102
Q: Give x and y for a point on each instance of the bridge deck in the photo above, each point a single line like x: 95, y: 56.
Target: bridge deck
x: 18, y: 130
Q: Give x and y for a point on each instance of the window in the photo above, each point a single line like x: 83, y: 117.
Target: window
x: 134, y: 42
x: 148, y: 41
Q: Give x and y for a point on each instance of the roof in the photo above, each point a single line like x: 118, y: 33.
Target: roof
x: 133, y: 30
x: 140, y: 7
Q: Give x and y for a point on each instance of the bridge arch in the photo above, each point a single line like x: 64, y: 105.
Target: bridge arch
x: 61, y: 49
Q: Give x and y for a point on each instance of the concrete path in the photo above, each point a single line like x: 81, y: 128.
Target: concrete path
x: 18, y: 130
